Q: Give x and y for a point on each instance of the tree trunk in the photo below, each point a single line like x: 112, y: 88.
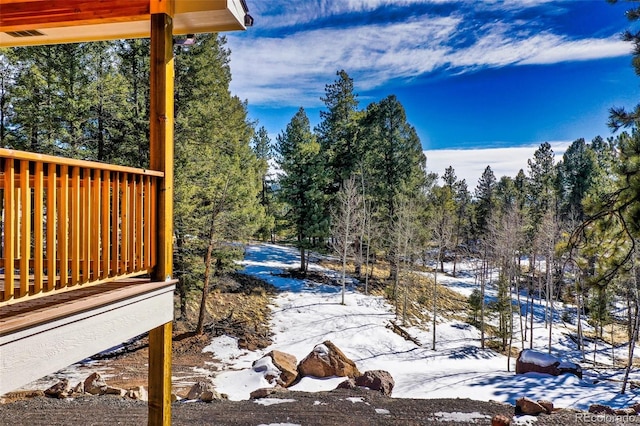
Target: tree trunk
x: 207, y: 278
x: 435, y: 303
x: 303, y: 261
x: 632, y: 346
x: 531, y: 322
x: 482, y: 292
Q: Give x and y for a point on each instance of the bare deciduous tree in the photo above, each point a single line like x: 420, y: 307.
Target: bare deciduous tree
x: 346, y: 221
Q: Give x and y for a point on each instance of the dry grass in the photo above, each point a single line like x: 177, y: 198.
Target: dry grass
x: 419, y: 291
x: 238, y: 297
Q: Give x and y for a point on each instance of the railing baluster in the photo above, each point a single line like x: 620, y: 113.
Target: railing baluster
x: 52, y: 207
x: 38, y: 232
x: 75, y: 226
x: 146, y: 225
x: 63, y: 228
x: 96, y: 200
x: 86, y: 236
x: 25, y: 227
x: 135, y: 236
x: 106, y: 225
x: 9, y: 226
x: 124, y: 225
x: 153, y: 242
x: 115, y: 224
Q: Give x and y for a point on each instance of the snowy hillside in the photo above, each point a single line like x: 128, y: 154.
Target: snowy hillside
x: 306, y: 314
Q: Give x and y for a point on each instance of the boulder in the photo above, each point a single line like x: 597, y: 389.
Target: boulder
x: 601, y: 409
x: 79, y: 388
x: 60, y: 390
x: 528, y: 407
x: 378, y: 380
x: 548, y: 405
x: 326, y: 360
x: 500, y: 420
x: 198, y: 389
x: 95, y: 385
x: 349, y: 383
x: 115, y: 391
x: 265, y: 392
x: 211, y: 395
x: 139, y: 393
x: 287, y: 364
x: 625, y: 412
x: 532, y: 361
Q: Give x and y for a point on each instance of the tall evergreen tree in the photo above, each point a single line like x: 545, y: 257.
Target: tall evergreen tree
x: 264, y: 152
x: 303, y: 182
x: 337, y: 131
x: 133, y: 57
x: 395, y: 161
x: 576, y: 174
x: 217, y: 179
x: 484, y: 201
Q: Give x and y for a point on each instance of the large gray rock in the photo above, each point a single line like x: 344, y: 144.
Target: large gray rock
x: 532, y: 361
x: 378, y: 380
x: 326, y: 360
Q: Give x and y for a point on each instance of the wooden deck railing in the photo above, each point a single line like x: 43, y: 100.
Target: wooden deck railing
x: 68, y: 222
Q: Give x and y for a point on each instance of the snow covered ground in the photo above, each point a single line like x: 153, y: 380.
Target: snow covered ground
x: 306, y: 314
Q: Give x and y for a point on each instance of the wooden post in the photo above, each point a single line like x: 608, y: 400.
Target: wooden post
x: 161, y: 129
x: 161, y: 158
x: 160, y: 375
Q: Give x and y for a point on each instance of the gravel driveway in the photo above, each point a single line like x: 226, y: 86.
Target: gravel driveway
x: 340, y: 407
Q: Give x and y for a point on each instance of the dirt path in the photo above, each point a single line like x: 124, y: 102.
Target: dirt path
x: 340, y: 407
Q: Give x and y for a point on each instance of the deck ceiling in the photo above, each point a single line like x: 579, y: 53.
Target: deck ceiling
x: 36, y: 22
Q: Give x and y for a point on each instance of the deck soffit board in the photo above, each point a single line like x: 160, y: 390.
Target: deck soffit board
x: 69, y: 21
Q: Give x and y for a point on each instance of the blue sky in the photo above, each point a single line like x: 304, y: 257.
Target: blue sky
x: 471, y: 74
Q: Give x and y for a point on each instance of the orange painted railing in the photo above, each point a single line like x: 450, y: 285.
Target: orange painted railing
x: 67, y: 223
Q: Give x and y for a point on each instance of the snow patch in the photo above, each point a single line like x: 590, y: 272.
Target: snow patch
x: 458, y: 417
x: 538, y: 358
x: 279, y: 424
x: 272, y: 401
x: 382, y: 411
x: 266, y: 366
x: 225, y: 348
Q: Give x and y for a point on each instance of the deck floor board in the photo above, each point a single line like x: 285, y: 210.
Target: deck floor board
x: 32, y: 312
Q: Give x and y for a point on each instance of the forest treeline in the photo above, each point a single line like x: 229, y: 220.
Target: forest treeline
x: 357, y: 184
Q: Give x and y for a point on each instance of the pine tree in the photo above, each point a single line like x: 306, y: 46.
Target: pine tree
x: 303, y: 182
x: 485, y: 204
x: 217, y: 179
x: 264, y: 152
x: 395, y: 161
x: 337, y: 131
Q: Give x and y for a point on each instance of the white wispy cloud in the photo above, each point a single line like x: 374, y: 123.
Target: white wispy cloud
x: 291, y: 68
x: 469, y: 164
x: 263, y: 69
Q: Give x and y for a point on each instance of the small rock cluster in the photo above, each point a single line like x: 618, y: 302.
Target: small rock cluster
x: 529, y: 407
x: 634, y: 410
x: 325, y: 360
x: 94, y: 385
